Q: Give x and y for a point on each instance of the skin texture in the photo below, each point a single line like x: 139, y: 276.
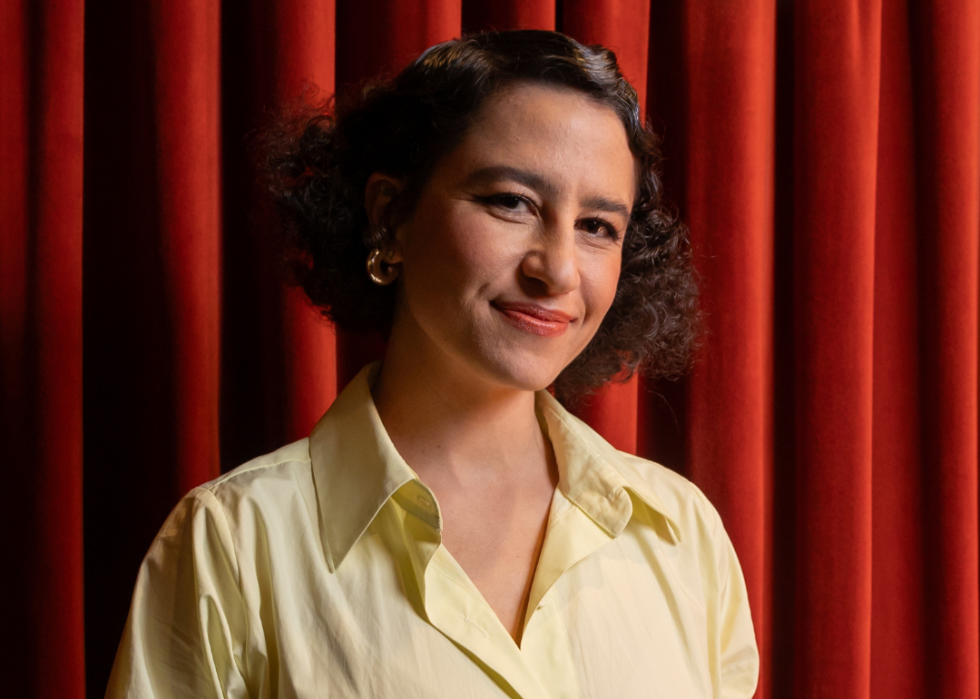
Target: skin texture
x: 506, y: 269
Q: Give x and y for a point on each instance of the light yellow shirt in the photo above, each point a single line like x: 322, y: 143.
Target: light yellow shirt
x: 317, y: 571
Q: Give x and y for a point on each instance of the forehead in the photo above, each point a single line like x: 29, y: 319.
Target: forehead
x: 561, y: 133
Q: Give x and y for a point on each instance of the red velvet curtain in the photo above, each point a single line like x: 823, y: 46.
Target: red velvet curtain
x: 826, y: 154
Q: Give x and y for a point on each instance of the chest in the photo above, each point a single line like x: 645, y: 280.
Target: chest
x: 497, y: 539
x: 613, y: 625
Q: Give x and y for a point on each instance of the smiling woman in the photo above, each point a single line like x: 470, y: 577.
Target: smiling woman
x: 319, y: 166
x: 449, y: 529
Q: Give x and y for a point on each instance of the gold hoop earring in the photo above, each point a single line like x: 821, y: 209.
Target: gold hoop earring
x: 378, y: 269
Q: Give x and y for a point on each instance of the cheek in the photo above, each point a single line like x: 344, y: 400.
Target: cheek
x: 455, y: 255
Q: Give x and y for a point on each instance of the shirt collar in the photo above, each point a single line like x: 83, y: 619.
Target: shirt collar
x: 594, y: 475
x: 356, y: 470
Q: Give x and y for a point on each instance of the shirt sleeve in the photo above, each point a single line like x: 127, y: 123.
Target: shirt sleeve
x: 738, y: 654
x: 187, y: 624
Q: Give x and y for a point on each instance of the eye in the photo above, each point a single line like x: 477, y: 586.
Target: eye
x: 508, y: 201
x: 599, y: 226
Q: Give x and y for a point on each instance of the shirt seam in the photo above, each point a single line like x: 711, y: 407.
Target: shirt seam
x: 218, y: 483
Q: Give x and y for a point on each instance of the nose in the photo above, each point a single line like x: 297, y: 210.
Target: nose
x: 551, y: 265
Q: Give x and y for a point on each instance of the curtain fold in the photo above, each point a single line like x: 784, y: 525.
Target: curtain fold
x: 185, y: 36
x: 898, y: 531
x: 41, y: 345
x: 825, y: 155
x: 946, y: 41
x: 836, y: 113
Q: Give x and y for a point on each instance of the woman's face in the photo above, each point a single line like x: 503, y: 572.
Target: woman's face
x: 511, y: 258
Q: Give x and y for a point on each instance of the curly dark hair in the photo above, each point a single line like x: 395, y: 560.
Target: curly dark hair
x: 317, y: 166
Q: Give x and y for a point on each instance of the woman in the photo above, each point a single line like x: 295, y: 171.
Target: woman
x: 448, y: 529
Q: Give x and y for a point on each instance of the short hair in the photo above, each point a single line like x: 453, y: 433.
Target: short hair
x: 317, y: 164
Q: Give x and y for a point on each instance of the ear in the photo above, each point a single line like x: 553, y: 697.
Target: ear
x: 378, y: 193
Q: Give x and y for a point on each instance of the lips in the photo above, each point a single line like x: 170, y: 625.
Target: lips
x: 535, y: 319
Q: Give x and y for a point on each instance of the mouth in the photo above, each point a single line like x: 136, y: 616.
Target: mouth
x: 534, y: 319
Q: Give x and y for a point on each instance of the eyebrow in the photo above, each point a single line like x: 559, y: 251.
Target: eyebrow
x: 607, y: 205
x: 537, y: 182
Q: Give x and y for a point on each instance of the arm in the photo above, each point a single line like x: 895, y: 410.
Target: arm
x: 738, y: 655
x: 186, y: 629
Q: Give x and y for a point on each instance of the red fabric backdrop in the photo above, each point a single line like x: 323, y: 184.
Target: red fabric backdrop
x: 826, y: 154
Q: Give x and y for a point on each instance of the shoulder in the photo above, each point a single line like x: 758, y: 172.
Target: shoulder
x: 276, y: 487
x: 284, y: 469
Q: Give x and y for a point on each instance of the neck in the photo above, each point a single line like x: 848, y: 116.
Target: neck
x: 450, y: 426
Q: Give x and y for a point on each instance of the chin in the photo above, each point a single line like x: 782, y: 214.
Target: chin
x: 526, y: 373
